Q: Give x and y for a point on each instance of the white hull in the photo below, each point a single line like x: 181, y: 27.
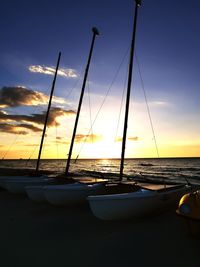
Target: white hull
x: 135, y: 204
x: 18, y: 185
x: 36, y: 193
x: 69, y: 194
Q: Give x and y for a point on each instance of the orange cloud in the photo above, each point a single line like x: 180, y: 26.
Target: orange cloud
x: 37, y: 118
x: 88, y: 138
x: 18, y: 129
x: 21, y: 96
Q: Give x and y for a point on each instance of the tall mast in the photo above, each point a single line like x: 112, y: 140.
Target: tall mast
x: 95, y: 33
x: 137, y: 4
x: 47, y: 113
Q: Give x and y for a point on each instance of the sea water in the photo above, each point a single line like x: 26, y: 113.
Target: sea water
x: 160, y: 169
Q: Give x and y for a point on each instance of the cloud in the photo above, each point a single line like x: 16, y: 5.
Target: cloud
x: 32, y: 145
x: 64, y: 72
x: 61, y: 140
x: 27, y: 122
x: 119, y: 139
x: 21, y: 96
x: 159, y: 103
x: 18, y: 129
x: 38, y: 118
x: 88, y: 138
x: 135, y: 138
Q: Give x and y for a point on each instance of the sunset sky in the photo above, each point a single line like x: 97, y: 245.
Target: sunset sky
x: 167, y: 48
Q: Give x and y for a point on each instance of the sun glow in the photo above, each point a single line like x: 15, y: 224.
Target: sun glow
x: 102, y: 149
x: 104, y: 140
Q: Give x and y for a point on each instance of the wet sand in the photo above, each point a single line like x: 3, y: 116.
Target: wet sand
x: 43, y: 235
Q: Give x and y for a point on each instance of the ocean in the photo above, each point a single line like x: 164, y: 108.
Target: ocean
x: 161, y: 169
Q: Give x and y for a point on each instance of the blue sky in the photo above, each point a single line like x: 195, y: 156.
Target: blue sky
x: 167, y: 46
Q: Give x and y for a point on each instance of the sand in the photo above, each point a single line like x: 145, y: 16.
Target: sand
x: 43, y: 235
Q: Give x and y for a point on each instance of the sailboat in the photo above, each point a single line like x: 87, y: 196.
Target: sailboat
x: 137, y: 203
x: 16, y: 184
x: 72, y: 191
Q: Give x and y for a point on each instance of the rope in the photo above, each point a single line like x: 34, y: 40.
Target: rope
x: 92, y: 132
x: 147, y: 105
x: 31, y: 154
x: 122, y: 99
x: 16, y: 136
x: 75, y: 84
x: 90, y: 111
x: 70, y: 92
x: 57, y: 150
x: 149, y: 113
x: 103, y: 102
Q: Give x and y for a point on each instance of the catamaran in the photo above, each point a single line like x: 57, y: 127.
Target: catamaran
x: 72, y: 191
x: 112, y: 200
x: 140, y: 201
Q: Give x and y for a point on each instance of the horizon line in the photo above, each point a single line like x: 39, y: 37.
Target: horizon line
x: 109, y: 158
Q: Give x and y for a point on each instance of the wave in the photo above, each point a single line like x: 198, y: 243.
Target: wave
x: 146, y: 164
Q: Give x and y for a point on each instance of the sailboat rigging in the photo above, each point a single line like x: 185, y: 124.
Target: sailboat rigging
x: 69, y: 191
x: 16, y: 184
x: 129, y: 202
x: 47, y: 113
x: 130, y: 73
x: 95, y: 33
x: 76, y: 193
x: 113, y: 200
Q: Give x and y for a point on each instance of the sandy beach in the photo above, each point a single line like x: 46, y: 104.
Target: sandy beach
x: 43, y: 235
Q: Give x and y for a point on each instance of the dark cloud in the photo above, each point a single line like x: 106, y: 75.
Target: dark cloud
x: 29, y: 127
x: 88, y: 138
x: 21, y: 129
x: 20, y: 124
x: 21, y: 96
x: 37, y: 118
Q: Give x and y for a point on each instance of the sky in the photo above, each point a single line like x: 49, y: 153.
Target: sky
x: 166, y: 69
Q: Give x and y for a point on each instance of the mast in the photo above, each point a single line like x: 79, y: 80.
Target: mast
x: 137, y: 4
x: 95, y: 33
x: 47, y: 113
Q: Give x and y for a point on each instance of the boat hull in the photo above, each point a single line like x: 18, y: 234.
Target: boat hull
x: 18, y: 186
x: 36, y: 193
x: 70, y: 194
x: 134, y: 204
x: 5, y: 179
